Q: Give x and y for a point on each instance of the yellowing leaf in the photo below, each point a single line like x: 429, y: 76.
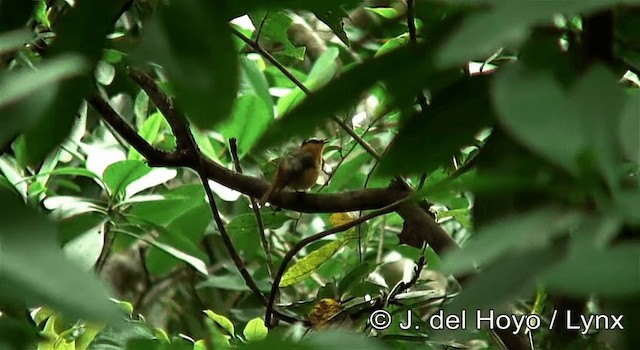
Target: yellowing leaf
x: 324, y: 311
x: 338, y: 219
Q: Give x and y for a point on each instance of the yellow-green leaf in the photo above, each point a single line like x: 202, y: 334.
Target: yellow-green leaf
x: 255, y: 330
x: 221, y: 321
x: 310, y: 263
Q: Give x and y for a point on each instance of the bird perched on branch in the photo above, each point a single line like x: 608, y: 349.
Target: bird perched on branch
x: 298, y: 170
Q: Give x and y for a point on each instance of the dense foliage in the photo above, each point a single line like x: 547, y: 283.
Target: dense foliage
x: 482, y: 159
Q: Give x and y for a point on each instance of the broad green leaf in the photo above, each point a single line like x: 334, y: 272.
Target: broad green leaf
x: 16, y: 334
x: 85, y: 249
x: 27, y: 93
x: 192, y: 41
x: 118, y: 175
x: 255, y: 330
x: 322, y: 72
x: 104, y: 73
x: 509, y: 277
x: 562, y: 126
x: 243, y: 230
x: 15, y: 39
x: 313, y: 110
x: 357, y: 274
x: 34, y: 270
x: 393, y: 44
x: 13, y: 177
x: 517, y: 233
x: 349, y: 174
x: 57, y: 108
x: 155, y: 177
x: 304, y: 267
x: 506, y: 22
x: 71, y: 172
x: 274, y: 28
x: 176, y: 202
x: 184, y: 233
x: 55, y: 341
x: 614, y: 272
x: 386, y: 12
x: 459, y: 111
x: 253, y: 109
x: 334, y: 19
x: 221, y: 321
x: 192, y: 257
x: 90, y: 332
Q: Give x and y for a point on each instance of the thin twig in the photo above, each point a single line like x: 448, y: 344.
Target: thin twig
x: 233, y: 146
x: 413, y: 37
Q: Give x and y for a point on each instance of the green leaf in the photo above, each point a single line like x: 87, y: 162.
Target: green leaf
x: 184, y: 233
x: 255, y: 330
x: 243, y: 230
x: 149, y: 131
x: 40, y: 14
x: 614, y: 272
x: 349, y: 175
x: 358, y: 274
x: 56, y: 111
x: 176, y: 202
x: 74, y: 226
x: 34, y: 270
x: 15, y: 39
x: 274, y: 28
x: 516, y: 233
x: 386, y: 12
x: 506, y: 22
x: 333, y: 19
x: 310, y: 263
x: 16, y: 334
x: 120, y: 174
x: 459, y: 111
x: 323, y: 70
x: 192, y: 257
x: 393, y: 44
x: 509, y: 277
x: 104, y: 73
x: 253, y: 109
x: 192, y: 41
x: 222, y: 322
x: 400, y: 64
x: 562, y: 126
x: 27, y: 93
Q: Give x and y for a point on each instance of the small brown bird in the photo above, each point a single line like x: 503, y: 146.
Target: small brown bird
x: 298, y: 170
